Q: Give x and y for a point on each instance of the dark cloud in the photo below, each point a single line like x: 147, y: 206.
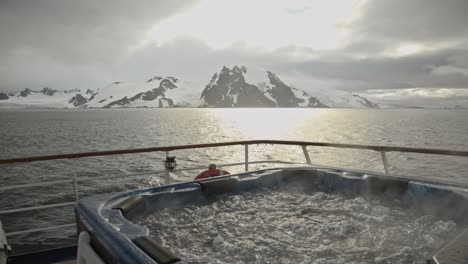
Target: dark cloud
x: 388, y: 72
x: 43, y: 35
x: 427, y: 21
x: 84, y: 31
x: 439, y: 26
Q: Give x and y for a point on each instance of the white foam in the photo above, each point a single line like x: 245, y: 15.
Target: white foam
x: 291, y: 227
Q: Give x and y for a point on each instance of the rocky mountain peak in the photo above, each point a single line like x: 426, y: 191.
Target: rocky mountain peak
x: 280, y: 92
x: 167, y: 84
x: 172, y: 79
x: 47, y: 91
x: 155, y: 78
x: 25, y: 92
x: 274, y: 79
x: 235, y: 74
x: 230, y: 89
x: 365, y: 102
x: 72, y: 91
x: 224, y: 70
x: 77, y: 100
x: 236, y: 70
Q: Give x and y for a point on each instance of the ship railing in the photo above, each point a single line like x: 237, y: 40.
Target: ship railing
x: 302, y: 144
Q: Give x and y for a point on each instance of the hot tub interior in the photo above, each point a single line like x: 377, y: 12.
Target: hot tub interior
x: 287, y: 225
x: 294, y: 216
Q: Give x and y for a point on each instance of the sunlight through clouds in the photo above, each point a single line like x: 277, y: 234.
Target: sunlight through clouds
x: 407, y: 49
x: 264, y: 23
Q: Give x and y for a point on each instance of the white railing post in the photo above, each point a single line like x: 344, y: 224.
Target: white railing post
x: 167, y: 177
x: 385, y: 162
x: 75, y: 181
x: 246, y: 157
x: 306, y: 154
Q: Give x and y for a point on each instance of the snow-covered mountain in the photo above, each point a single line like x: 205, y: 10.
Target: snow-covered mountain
x: 236, y: 87
x: 229, y: 89
x: 341, y: 99
x: 158, y: 91
x: 281, y: 94
x: 45, y: 98
x: 240, y: 87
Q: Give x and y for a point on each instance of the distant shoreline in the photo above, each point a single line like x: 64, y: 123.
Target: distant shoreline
x: 9, y: 106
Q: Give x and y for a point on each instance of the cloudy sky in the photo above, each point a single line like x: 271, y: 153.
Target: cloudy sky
x: 386, y: 49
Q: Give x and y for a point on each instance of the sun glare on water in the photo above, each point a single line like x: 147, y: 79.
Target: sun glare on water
x: 264, y: 123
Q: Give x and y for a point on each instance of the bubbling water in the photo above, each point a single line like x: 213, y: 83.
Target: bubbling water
x: 282, y: 226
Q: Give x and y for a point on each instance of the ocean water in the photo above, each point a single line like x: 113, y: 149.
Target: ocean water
x: 289, y: 226
x: 42, y: 132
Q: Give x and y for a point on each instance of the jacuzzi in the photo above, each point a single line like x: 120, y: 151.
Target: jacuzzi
x: 113, y: 236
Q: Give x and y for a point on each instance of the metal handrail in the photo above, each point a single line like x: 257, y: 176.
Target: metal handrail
x: 14, y: 233
x: 33, y: 208
x: 231, y: 143
x: 36, y: 184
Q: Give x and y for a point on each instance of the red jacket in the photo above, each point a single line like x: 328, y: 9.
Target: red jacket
x: 211, y: 173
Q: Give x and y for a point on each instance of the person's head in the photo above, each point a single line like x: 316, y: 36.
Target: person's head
x: 212, y: 166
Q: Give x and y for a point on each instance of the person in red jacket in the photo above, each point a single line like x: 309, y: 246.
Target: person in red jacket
x: 211, y: 172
